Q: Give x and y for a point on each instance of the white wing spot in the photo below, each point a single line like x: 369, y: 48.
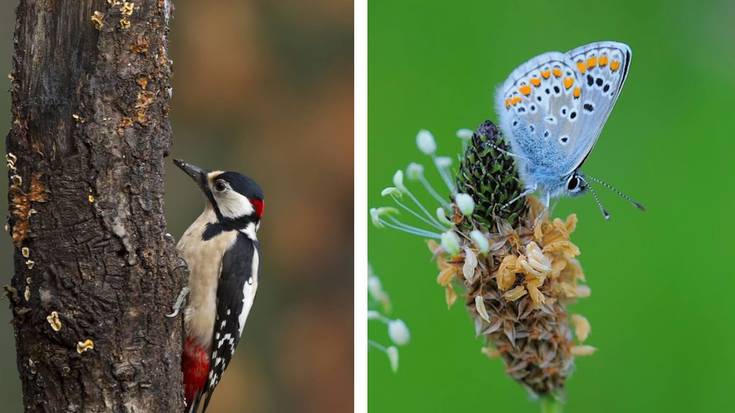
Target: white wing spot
x: 248, y: 292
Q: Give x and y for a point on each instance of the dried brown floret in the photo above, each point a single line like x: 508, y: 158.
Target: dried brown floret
x: 581, y: 327
x: 518, y: 296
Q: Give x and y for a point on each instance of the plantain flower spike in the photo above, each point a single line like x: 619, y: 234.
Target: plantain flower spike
x: 515, y: 267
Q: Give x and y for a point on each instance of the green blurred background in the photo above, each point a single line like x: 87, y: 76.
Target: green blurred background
x: 265, y: 88
x: 661, y: 308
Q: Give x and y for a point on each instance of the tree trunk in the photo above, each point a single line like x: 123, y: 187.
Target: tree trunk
x: 95, y: 271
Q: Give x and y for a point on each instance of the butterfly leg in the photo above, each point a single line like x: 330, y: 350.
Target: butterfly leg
x: 525, y: 192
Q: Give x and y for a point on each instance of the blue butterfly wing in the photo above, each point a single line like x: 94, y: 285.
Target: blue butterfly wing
x: 552, y: 108
x: 535, y: 105
x: 602, y: 68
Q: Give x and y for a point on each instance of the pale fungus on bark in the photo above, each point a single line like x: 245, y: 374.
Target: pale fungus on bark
x: 85, y: 345
x: 54, y: 321
x: 98, y: 19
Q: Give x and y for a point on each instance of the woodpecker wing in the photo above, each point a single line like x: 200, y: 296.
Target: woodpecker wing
x: 235, y: 294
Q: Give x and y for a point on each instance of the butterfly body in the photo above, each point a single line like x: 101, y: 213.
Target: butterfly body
x: 552, y: 110
x: 542, y: 175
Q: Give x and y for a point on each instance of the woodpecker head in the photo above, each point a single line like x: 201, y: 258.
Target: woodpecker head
x: 235, y: 198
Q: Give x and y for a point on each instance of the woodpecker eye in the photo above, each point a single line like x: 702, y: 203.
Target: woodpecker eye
x: 220, y: 185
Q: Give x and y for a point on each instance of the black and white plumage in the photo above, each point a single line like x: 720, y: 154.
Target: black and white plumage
x: 239, y: 273
x: 222, y: 252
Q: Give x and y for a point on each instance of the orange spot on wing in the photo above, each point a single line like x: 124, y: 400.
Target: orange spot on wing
x: 507, y: 103
x: 536, y: 81
x: 591, y: 62
x: 545, y: 74
x: 525, y: 90
x: 577, y: 91
x: 603, y: 61
x: 568, y: 82
x: 581, y: 66
x: 514, y: 100
x: 557, y: 72
x: 615, y: 65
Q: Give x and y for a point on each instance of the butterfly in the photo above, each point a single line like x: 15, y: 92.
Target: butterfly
x: 552, y: 110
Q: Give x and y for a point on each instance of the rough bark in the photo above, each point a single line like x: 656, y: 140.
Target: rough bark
x: 93, y: 263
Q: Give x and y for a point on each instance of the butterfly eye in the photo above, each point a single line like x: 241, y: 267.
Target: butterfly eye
x: 573, y: 183
x: 220, y: 185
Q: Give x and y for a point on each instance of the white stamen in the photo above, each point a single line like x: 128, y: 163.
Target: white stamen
x: 481, y: 242
x: 391, y: 191
x: 392, y: 352
x: 398, y: 332
x: 442, y: 216
x: 375, y: 288
x: 425, y: 141
x: 465, y: 204
x: 464, y: 134
x: 443, y: 161
x: 450, y: 242
x: 414, y: 171
x: 398, y: 181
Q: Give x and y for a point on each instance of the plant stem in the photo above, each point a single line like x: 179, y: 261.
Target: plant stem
x: 550, y: 405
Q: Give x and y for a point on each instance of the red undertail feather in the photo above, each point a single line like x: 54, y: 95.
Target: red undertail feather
x: 195, y: 366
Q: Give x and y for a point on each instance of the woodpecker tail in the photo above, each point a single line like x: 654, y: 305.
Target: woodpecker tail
x: 195, y: 366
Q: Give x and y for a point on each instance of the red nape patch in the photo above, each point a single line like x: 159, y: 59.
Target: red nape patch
x: 259, y: 206
x: 195, y: 366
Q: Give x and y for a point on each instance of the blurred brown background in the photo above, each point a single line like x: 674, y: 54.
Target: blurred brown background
x: 266, y: 88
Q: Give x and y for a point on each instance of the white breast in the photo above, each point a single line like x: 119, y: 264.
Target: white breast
x: 204, y: 260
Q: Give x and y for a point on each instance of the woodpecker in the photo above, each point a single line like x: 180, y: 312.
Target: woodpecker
x: 222, y: 252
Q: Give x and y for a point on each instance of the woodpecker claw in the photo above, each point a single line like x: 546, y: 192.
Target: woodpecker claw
x: 179, y: 302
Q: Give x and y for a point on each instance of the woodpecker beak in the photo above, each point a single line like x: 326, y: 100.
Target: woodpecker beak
x: 196, y: 173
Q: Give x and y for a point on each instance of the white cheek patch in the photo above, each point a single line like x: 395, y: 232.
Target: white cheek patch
x: 233, y: 205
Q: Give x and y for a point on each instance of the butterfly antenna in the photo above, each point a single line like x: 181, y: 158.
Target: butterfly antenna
x: 503, y: 151
x: 599, y: 204
x: 620, y: 194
